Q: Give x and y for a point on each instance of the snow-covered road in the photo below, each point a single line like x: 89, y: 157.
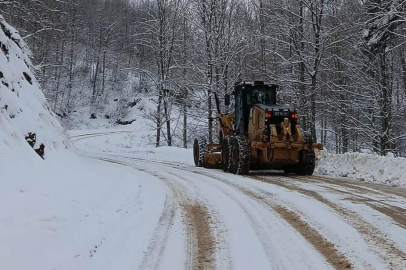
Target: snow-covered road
x: 208, y: 219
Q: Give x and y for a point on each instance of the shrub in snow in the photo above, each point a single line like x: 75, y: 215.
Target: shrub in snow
x: 24, y: 111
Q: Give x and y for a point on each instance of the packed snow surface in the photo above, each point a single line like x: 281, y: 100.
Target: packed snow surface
x: 364, y: 167
x: 124, y: 206
x: 243, y: 215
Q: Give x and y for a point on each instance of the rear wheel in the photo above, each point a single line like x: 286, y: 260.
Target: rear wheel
x: 307, y: 162
x: 239, y: 155
x: 199, y: 150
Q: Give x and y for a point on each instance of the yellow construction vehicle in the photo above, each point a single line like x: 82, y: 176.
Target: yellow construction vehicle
x: 260, y: 135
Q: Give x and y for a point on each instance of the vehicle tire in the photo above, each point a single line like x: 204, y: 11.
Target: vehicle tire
x: 240, y: 155
x: 307, y: 162
x: 199, y: 150
x: 225, y: 153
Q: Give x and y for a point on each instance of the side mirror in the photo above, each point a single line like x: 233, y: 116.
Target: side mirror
x: 227, y: 100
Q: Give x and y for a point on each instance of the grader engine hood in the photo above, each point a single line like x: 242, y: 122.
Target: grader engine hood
x: 270, y: 121
x: 267, y: 115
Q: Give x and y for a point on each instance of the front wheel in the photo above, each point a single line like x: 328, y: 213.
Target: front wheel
x: 199, y: 150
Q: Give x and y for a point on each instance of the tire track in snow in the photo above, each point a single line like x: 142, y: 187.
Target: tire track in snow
x: 330, y: 182
x: 387, y: 251
x: 327, y: 249
x: 220, y: 257
x: 204, y: 242
x: 200, y: 244
x: 357, y: 194
x: 321, y: 244
x: 373, y: 188
x: 77, y: 138
x: 370, y: 233
x: 198, y: 219
x: 258, y: 228
x: 396, y: 213
x: 156, y: 248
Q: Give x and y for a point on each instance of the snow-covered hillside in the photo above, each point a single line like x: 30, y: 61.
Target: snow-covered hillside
x: 23, y: 107
x: 52, y: 212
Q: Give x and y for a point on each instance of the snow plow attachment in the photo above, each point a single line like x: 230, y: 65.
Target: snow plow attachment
x: 206, y: 155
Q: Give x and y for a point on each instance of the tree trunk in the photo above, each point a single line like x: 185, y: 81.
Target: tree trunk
x: 209, y: 107
x: 71, y: 54
x: 167, y: 119
x: 313, y: 108
x: 302, y: 70
x: 158, y: 118
x: 185, y: 101
x: 385, y: 105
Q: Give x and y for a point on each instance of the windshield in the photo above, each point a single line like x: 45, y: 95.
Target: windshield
x: 261, y: 96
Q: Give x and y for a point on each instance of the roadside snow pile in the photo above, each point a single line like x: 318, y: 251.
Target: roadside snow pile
x: 365, y: 167
x: 23, y: 108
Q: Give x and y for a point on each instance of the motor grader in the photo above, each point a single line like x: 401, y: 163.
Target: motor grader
x: 259, y: 135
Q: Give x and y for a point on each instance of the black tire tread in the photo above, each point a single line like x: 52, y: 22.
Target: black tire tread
x: 201, y: 144
x: 307, y: 162
x: 244, y: 155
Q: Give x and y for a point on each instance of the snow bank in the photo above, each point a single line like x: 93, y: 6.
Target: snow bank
x: 365, y: 167
x: 23, y: 107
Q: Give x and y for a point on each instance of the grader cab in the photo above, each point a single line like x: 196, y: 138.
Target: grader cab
x: 260, y: 135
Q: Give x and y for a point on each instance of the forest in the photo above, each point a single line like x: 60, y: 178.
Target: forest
x: 341, y: 62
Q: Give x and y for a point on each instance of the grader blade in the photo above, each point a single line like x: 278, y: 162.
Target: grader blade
x: 212, y: 159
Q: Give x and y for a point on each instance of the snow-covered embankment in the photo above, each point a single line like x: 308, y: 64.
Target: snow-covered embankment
x: 365, y: 167
x: 23, y: 107
x: 57, y: 212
